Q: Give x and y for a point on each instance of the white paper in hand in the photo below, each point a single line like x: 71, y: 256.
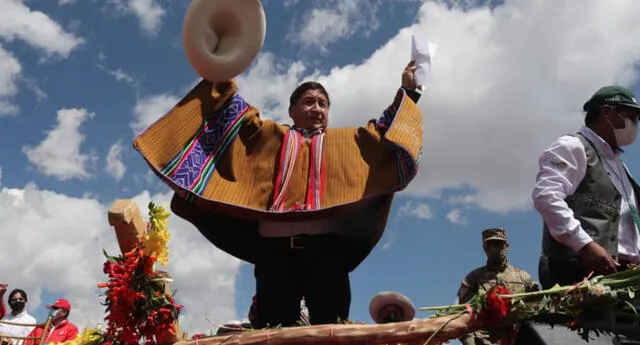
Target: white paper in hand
x: 422, y: 51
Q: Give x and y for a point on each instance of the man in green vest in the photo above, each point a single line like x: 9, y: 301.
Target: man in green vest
x: 586, y: 195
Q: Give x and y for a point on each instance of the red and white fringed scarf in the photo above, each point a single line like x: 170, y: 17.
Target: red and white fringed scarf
x: 289, y: 154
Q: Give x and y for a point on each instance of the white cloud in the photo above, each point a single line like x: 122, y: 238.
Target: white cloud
x: 418, y: 210
x: 149, y: 13
x: 119, y: 75
x: 17, y: 21
x: 37, y: 91
x: 268, y: 85
x: 457, y: 216
x: 59, y: 154
x: 335, y: 20
x: 497, y: 99
x: 10, y: 69
x: 61, y: 240
x: 36, y: 28
x: 145, y: 180
x: 289, y: 3
x: 462, y: 199
x: 65, y: 2
x: 115, y: 167
x: 149, y: 109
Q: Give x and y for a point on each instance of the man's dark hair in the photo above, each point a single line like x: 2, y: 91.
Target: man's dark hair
x: 20, y: 291
x: 593, y: 113
x: 302, y: 88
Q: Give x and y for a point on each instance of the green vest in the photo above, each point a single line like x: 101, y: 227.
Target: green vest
x: 596, y: 204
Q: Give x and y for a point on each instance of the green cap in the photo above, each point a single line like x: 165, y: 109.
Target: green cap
x: 494, y: 234
x: 614, y: 95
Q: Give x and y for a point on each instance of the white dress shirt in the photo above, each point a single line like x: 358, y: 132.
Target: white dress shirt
x: 562, y: 168
x: 18, y: 331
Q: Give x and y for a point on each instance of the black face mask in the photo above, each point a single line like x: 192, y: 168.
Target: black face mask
x: 17, y: 305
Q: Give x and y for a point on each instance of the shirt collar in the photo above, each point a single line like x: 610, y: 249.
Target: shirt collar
x: 307, y: 133
x: 601, y: 145
x: 20, y: 314
x: 61, y: 324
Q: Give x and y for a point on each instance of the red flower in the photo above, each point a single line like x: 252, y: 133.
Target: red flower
x: 197, y: 336
x: 496, y: 308
x: 136, y: 312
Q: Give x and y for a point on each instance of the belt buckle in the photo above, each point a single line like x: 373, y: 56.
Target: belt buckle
x: 296, y: 242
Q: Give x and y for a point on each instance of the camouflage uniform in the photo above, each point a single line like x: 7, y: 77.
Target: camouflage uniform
x: 488, y: 276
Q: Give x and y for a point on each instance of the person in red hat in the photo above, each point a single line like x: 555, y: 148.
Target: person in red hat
x: 61, y: 329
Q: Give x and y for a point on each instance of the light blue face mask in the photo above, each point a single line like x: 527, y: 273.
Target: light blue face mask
x: 54, y: 313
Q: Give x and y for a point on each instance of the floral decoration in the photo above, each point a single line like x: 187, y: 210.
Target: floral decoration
x: 584, y: 307
x: 137, y: 306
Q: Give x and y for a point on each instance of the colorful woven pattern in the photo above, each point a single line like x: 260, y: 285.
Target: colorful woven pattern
x: 193, y: 166
x: 407, y: 167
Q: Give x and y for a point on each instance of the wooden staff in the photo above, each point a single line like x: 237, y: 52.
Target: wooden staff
x: 410, y: 332
x: 125, y: 218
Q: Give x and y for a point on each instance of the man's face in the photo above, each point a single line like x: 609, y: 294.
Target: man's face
x: 311, y: 112
x: 391, y: 313
x: 57, y: 313
x: 17, y: 302
x: 495, y: 248
x: 616, y: 115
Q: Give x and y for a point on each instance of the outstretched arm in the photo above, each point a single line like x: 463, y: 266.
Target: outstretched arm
x: 399, y: 128
x: 408, y: 89
x: 465, y: 292
x: 206, y: 120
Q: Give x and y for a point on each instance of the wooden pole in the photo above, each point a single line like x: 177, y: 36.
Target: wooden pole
x: 410, y: 332
x: 125, y: 218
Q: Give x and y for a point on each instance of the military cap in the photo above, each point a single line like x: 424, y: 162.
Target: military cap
x: 614, y: 95
x: 494, y: 234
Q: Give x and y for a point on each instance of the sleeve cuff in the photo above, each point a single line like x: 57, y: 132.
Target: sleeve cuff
x: 580, y: 240
x: 413, y: 94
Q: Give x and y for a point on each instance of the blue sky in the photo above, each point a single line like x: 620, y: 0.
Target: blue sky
x: 80, y: 78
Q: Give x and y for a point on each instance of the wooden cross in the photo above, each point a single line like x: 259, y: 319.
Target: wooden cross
x: 129, y: 225
x: 126, y: 219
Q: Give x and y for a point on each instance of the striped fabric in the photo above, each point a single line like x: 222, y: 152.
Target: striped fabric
x: 289, y: 155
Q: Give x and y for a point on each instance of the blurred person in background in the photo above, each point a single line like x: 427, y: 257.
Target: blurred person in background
x: 61, y: 329
x: 18, y: 303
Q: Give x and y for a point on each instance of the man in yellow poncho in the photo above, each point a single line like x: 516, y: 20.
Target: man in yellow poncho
x: 304, y: 203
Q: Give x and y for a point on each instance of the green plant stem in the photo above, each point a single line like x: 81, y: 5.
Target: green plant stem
x: 629, y: 278
x: 433, y: 335
x: 444, y: 307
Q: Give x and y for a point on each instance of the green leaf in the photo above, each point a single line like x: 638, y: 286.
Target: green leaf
x: 633, y: 308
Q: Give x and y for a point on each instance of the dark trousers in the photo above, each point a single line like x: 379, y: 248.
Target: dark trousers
x: 303, y: 266
x: 551, y: 272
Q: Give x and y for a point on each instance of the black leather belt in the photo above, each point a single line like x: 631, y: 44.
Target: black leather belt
x: 300, y: 242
